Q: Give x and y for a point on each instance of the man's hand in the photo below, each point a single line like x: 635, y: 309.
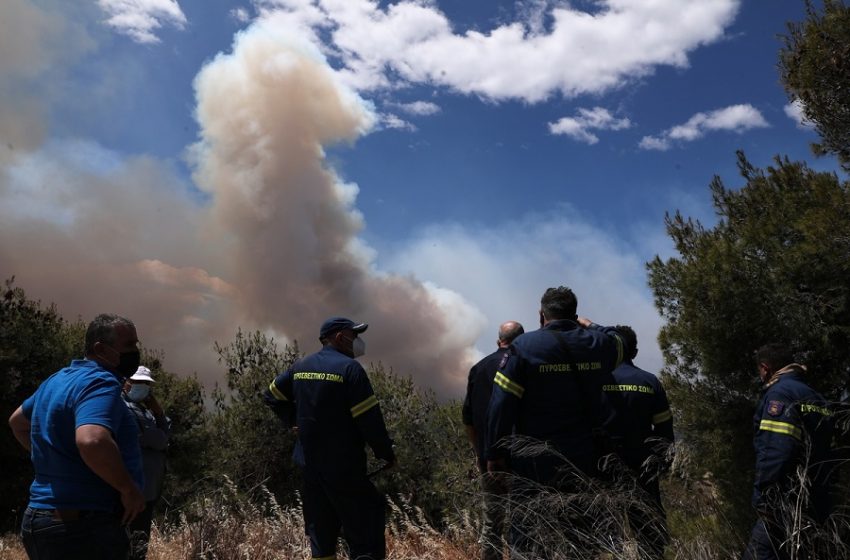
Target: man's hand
x: 584, y: 321
x: 100, y: 453
x: 133, y: 502
x: 154, y: 406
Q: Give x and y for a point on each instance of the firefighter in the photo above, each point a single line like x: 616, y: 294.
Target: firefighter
x: 647, y: 425
x: 793, y: 427
x: 479, y: 387
x: 549, y: 387
x: 328, y: 398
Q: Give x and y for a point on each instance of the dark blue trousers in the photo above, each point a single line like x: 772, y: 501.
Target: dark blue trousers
x: 93, y: 536
x: 765, y: 543
x: 346, y: 501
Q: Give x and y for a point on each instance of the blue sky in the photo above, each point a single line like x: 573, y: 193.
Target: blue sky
x: 428, y: 167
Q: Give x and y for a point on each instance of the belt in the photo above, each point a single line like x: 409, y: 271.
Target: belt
x: 66, y: 515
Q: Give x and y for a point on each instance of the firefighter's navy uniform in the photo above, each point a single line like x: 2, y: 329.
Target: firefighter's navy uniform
x: 793, y: 426
x: 647, y: 425
x: 549, y: 387
x: 474, y: 413
x: 331, y: 401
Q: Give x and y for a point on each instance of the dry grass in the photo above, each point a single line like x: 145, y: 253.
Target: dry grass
x: 228, y: 524
x: 222, y: 535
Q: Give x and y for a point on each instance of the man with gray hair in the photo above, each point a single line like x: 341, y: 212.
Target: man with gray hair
x: 85, y: 452
x: 478, y: 390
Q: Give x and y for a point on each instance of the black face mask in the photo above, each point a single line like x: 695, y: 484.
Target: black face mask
x: 128, y: 363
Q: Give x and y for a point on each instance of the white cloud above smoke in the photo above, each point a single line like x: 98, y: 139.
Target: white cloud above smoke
x: 735, y: 118
x: 579, y: 127
x: 140, y: 19
x: 419, y: 108
x: 580, y: 52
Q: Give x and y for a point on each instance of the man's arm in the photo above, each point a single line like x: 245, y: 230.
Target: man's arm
x: 502, y: 410
x: 367, y: 414
x: 278, y: 397
x: 20, y: 425
x: 662, y: 417
x: 100, y: 453
x: 777, y: 439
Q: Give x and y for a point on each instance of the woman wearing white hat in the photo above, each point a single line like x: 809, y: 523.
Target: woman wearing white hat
x: 154, y: 431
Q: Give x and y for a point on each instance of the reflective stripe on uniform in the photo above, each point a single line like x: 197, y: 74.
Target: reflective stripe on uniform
x: 363, y: 406
x: 510, y: 386
x: 662, y: 417
x: 332, y: 557
x: 276, y: 392
x: 780, y: 428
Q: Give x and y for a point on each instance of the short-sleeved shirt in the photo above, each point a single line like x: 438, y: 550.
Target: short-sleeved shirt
x: 81, y: 394
x: 336, y: 412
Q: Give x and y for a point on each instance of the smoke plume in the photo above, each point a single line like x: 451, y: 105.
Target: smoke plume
x: 266, y: 111
x: 272, y: 241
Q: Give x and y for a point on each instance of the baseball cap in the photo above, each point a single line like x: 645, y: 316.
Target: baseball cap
x: 142, y: 374
x: 335, y: 324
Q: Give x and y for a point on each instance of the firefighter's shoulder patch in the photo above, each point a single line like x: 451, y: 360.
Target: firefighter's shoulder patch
x: 775, y: 408
x: 504, y: 361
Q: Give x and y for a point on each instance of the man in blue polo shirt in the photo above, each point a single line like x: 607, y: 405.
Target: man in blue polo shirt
x: 329, y: 398
x: 85, y: 452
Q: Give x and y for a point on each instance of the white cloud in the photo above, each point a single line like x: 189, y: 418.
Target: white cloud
x: 421, y: 108
x: 139, y: 19
x: 578, y: 127
x: 240, y: 14
x: 388, y: 120
x: 796, y: 112
x: 579, y: 52
x: 735, y: 118
x: 653, y: 143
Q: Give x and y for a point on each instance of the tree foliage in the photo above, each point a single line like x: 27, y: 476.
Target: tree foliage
x: 35, y: 341
x: 773, y: 268
x: 251, y: 445
x: 435, y: 460
x: 815, y: 68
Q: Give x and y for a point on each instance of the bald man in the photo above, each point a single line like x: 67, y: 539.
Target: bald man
x: 478, y: 390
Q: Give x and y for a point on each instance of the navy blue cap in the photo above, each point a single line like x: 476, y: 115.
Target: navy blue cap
x: 335, y: 324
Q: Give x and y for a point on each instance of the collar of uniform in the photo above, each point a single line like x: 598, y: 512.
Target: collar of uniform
x: 790, y: 369
x: 560, y: 325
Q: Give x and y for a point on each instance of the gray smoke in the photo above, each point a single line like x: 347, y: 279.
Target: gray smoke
x: 266, y: 111
x: 275, y: 245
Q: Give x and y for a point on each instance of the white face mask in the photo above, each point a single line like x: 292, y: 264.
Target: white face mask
x: 138, y: 392
x: 358, y: 347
